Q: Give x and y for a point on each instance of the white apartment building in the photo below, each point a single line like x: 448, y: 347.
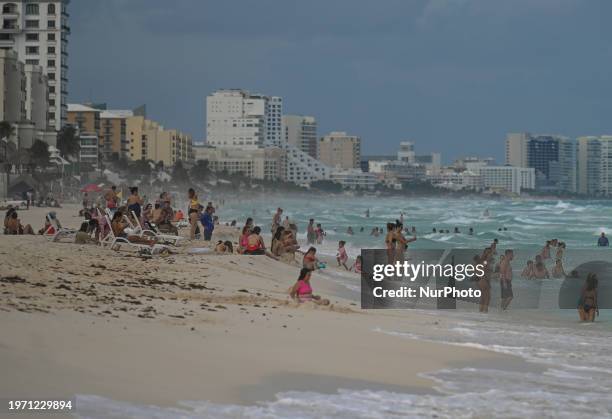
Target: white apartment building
x: 406, y: 151
x: 38, y: 31
x: 452, y: 179
x: 507, y: 178
x: 340, y: 150
x: 354, y: 179
x: 300, y: 131
x: 235, y: 118
x: 594, y: 165
x: 302, y: 169
x: 516, y: 149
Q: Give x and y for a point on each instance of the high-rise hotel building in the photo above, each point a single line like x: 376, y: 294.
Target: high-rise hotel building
x: 236, y: 118
x: 38, y: 31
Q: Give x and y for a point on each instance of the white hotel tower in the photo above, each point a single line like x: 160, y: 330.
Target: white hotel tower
x: 238, y: 119
x: 38, y: 31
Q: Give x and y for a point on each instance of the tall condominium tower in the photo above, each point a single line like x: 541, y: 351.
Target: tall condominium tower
x: 340, y: 150
x: 594, y: 166
x: 301, y: 131
x: 552, y: 156
x: 235, y: 118
x: 38, y: 31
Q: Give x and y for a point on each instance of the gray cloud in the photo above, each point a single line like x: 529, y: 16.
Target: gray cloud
x: 454, y: 75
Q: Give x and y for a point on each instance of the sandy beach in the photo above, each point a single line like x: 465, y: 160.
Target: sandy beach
x: 79, y: 319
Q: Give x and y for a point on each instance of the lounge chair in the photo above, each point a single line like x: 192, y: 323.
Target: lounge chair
x: 141, y: 231
x: 55, y: 232
x: 113, y: 242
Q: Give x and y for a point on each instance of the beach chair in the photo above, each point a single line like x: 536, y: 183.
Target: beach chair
x: 141, y: 231
x: 114, y: 243
x: 55, y: 232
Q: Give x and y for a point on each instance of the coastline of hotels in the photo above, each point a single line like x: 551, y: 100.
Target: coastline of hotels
x: 249, y: 133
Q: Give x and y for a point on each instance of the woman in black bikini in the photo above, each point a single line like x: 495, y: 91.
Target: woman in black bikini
x: 587, y: 306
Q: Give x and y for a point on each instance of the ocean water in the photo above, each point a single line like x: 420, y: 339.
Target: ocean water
x: 527, y: 222
x: 569, y: 364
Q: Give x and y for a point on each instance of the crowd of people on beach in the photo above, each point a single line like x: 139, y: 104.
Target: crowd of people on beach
x: 128, y: 218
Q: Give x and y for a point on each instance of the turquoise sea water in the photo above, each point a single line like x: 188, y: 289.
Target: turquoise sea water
x: 572, y: 361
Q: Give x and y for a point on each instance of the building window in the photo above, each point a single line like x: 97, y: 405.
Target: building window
x: 51, y: 24
x: 31, y: 9
x: 31, y: 23
x: 51, y: 115
x: 51, y: 89
x: 32, y: 62
x: 31, y: 50
x: 51, y: 63
x: 31, y: 37
x: 51, y: 76
x: 50, y: 50
x: 50, y: 37
x: 51, y: 9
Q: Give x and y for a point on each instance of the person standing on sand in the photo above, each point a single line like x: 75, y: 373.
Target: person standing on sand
x: 276, y: 220
x: 505, y: 279
x: 134, y: 202
x: 193, y: 212
x: 208, y: 223
x: 111, y: 199
x: 311, y: 234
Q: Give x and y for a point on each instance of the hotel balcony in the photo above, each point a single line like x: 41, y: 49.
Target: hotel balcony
x: 10, y: 28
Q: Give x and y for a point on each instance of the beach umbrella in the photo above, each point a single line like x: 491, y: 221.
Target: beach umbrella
x: 92, y: 187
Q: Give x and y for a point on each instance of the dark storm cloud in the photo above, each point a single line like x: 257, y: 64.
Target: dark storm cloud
x: 453, y: 75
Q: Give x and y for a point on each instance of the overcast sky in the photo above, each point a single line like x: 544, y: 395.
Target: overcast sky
x: 453, y: 75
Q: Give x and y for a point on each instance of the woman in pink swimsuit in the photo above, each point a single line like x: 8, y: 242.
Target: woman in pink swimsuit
x: 302, y: 291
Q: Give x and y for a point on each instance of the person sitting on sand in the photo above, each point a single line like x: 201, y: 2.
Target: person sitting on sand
x: 13, y: 225
x: 224, y: 247
x: 255, y: 244
x: 243, y: 241
x: 587, y: 304
x: 528, y: 270
x: 83, y: 236
x: 302, y: 291
x: 310, y: 260
x: 289, y: 245
x: 119, y: 226
x: 342, y: 257
x: 357, y: 265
